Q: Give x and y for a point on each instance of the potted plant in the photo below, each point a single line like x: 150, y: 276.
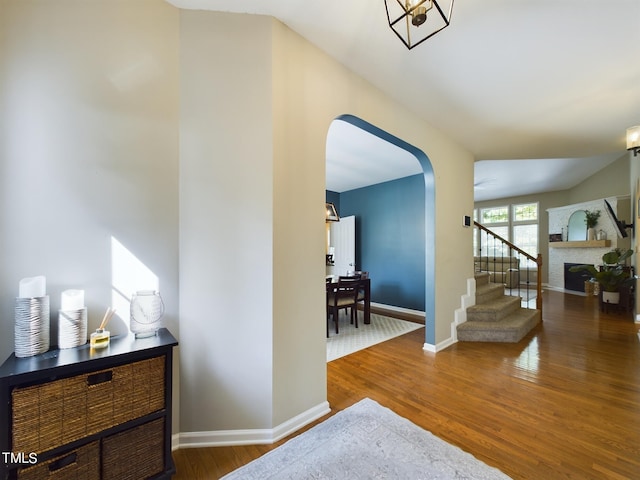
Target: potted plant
x: 591, y: 219
x: 611, y: 276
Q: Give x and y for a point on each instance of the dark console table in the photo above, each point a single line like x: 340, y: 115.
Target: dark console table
x: 89, y: 414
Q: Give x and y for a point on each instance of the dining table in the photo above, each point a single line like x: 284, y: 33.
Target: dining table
x: 366, y: 287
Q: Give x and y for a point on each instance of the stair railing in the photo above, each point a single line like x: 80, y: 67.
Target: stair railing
x: 498, y: 248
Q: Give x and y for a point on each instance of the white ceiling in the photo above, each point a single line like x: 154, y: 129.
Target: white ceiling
x: 513, y: 81
x: 356, y: 158
x: 511, y: 178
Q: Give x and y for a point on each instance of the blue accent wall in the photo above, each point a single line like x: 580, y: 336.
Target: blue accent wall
x: 390, y: 239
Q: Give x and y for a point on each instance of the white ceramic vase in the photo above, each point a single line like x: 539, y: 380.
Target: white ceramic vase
x: 611, y: 297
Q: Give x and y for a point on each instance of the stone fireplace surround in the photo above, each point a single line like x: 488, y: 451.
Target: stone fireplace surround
x: 558, y: 220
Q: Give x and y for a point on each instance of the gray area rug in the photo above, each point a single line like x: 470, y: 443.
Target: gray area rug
x: 350, y: 339
x: 366, y: 441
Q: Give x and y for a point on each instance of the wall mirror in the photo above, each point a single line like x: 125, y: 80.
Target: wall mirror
x: 577, y: 228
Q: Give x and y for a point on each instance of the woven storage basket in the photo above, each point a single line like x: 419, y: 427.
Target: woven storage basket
x: 55, y: 413
x: 80, y: 464
x: 134, y: 454
x: 588, y: 288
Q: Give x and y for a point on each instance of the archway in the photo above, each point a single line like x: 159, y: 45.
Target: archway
x: 429, y: 183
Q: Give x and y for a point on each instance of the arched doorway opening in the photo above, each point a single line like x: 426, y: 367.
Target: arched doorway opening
x: 429, y: 214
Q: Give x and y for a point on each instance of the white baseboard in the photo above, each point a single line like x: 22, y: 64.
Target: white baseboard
x: 393, y: 308
x: 459, y: 316
x: 429, y: 347
x: 221, y: 438
x: 439, y: 346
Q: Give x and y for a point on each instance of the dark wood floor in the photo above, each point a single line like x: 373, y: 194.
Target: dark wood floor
x: 563, y: 403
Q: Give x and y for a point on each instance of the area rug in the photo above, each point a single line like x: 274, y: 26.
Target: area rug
x: 350, y: 339
x: 366, y: 441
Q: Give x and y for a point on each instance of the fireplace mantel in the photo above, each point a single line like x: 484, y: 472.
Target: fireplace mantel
x: 582, y: 244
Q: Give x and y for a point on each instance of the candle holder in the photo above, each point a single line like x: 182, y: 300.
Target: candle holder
x: 146, y: 311
x: 32, y: 326
x: 72, y: 328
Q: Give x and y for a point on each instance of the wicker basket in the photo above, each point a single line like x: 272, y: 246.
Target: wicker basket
x: 80, y: 464
x: 52, y: 414
x: 134, y: 454
x: 588, y: 288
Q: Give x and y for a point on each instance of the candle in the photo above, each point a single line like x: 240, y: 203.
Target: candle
x: 72, y: 300
x: 33, y: 287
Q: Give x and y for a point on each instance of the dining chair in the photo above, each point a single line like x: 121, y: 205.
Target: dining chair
x: 360, y: 296
x: 342, y: 295
x: 363, y: 275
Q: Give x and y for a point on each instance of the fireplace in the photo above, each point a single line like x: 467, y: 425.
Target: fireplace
x: 575, y: 280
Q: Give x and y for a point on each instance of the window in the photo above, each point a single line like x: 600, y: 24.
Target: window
x: 527, y: 212
x: 497, y: 219
x: 526, y: 238
x: 516, y: 223
x: 494, y: 215
x: 525, y: 229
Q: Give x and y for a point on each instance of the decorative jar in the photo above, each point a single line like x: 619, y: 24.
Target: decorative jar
x: 100, y: 338
x: 146, y: 311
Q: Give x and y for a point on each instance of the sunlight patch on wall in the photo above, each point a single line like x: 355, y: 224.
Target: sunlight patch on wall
x: 128, y: 275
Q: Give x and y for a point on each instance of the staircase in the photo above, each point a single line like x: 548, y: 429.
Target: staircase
x: 496, y: 317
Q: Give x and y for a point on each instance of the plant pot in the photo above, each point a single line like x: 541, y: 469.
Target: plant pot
x: 611, y: 297
x: 591, y: 233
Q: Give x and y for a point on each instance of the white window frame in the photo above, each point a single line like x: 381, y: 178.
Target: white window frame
x: 516, y: 223
x: 511, y: 223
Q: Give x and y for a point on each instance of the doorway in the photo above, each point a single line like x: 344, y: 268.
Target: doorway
x: 342, y: 241
x: 429, y: 213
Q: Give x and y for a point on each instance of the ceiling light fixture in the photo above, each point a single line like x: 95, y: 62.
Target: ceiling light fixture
x: 633, y: 139
x: 414, y: 21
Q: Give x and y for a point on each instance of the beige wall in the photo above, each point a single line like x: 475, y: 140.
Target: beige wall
x: 88, y: 151
x: 226, y: 222
x: 299, y: 136
x: 309, y: 90
x: 153, y: 125
x: 611, y: 181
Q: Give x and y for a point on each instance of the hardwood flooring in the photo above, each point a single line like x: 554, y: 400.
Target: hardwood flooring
x: 563, y: 403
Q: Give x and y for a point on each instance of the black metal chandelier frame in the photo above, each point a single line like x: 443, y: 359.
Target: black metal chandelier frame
x: 413, y: 15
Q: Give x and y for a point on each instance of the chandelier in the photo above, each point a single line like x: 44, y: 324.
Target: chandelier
x: 414, y: 21
x: 331, y: 214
